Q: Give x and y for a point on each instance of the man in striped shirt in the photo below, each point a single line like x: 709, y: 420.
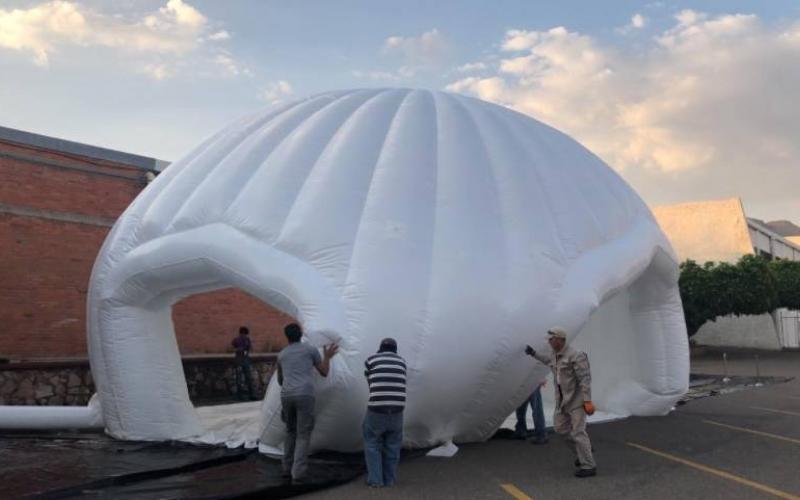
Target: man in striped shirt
x: 383, y: 423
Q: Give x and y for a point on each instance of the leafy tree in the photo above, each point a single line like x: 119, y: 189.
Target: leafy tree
x: 787, y: 282
x: 695, y: 289
x: 748, y: 287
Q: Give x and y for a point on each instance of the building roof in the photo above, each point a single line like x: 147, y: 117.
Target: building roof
x: 784, y: 227
x: 76, y: 148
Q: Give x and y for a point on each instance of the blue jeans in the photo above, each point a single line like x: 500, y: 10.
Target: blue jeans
x: 383, y: 437
x: 538, y: 415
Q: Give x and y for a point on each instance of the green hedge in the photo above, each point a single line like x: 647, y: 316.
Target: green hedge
x: 753, y: 285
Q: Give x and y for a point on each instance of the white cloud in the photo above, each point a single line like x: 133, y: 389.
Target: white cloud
x: 219, y: 35
x: 394, y: 42
x: 276, y: 92
x: 522, y: 40
x: 227, y: 63
x: 157, y: 71
x: 472, y: 67
x: 426, y: 50
x: 375, y: 75
x: 709, y: 109
x: 688, y: 17
x: 491, y: 89
x: 638, y: 22
x: 154, y: 43
x: 184, y: 14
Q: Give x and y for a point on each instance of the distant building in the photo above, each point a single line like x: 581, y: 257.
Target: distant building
x: 787, y: 229
x: 58, y: 200
x: 720, y: 231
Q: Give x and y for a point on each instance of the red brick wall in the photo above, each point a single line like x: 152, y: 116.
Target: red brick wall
x: 45, y: 267
x: 45, y: 264
x: 73, y: 191
x: 206, y: 323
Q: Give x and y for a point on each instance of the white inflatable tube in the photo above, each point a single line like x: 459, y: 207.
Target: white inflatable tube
x: 51, y: 417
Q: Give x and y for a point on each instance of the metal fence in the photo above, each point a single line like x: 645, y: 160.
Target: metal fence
x: 789, y: 328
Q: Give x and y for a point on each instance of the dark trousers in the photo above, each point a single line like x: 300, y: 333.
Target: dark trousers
x: 242, y: 376
x: 297, y: 412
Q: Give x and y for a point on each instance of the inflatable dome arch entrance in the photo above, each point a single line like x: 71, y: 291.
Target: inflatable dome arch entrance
x: 461, y: 228
x: 141, y: 306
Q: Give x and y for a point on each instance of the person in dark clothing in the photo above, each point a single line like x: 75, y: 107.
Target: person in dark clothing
x: 241, y: 371
x: 383, y: 423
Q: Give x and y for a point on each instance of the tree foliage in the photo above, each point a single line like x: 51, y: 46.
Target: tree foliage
x: 753, y: 285
x: 787, y: 282
x: 697, y: 296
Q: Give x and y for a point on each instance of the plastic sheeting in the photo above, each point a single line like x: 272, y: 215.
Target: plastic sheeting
x: 89, y: 465
x: 461, y: 228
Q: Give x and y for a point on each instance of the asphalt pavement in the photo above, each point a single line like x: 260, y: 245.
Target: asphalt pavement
x: 739, y: 445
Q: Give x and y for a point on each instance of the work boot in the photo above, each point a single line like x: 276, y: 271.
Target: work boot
x: 586, y: 472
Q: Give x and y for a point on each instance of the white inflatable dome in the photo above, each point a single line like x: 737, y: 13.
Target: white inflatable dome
x: 460, y: 228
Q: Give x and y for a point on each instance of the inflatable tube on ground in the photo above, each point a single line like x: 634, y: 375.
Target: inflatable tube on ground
x: 51, y: 417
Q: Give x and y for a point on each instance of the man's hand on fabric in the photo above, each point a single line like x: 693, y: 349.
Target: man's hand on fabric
x: 330, y: 350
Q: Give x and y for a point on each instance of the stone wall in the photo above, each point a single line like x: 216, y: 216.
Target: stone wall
x: 54, y: 384
x: 69, y: 382
x: 212, y: 378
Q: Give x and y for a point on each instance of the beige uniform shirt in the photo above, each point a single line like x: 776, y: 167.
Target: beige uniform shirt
x: 571, y: 377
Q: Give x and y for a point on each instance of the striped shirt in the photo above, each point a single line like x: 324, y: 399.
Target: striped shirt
x: 386, y: 376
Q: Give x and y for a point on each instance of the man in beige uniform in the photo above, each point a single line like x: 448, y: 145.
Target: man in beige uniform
x: 573, y: 386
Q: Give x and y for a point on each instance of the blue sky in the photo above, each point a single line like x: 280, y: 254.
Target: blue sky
x: 687, y: 100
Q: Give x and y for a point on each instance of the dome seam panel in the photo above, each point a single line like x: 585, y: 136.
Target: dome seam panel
x: 235, y: 136
x: 279, y: 233
x: 491, y: 368
x: 263, y: 123
x: 367, y: 196
x: 424, y: 330
x: 282, y: 136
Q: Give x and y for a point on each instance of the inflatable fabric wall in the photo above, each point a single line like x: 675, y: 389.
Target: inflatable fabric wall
x: 461, y: 228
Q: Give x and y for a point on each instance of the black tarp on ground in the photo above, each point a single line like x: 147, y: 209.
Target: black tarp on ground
x: 88, y: 465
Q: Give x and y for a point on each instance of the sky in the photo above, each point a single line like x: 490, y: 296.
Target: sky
x: 686, y: 100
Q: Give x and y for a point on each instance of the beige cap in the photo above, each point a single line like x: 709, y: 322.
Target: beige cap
x: 557, y: 332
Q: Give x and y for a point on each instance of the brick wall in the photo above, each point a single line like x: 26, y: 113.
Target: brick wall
x: 207, y: 323
x: 97, y: 189
x: 45, y: 267
x: 53, y: 219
